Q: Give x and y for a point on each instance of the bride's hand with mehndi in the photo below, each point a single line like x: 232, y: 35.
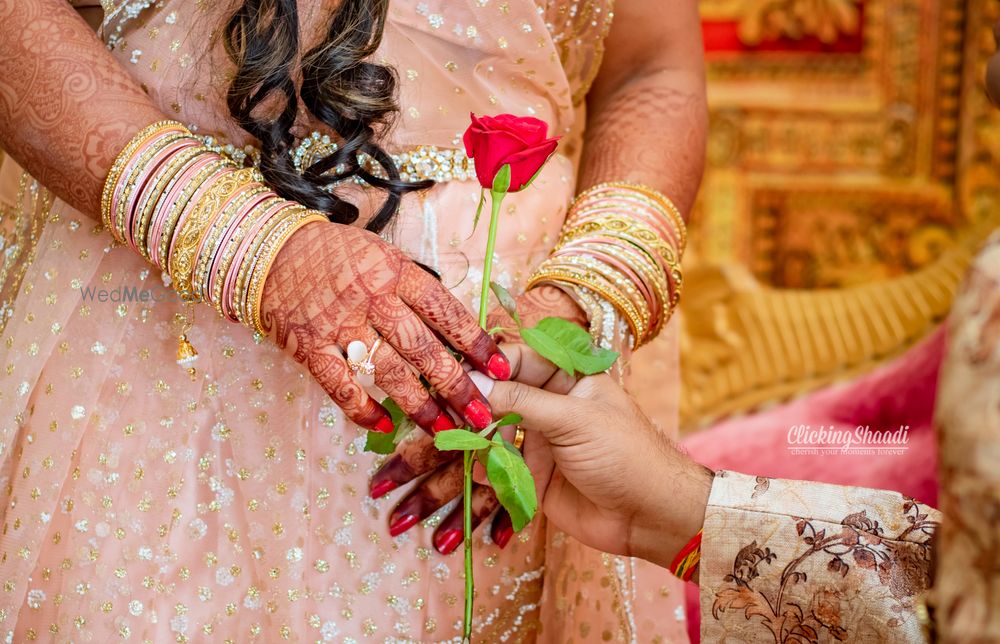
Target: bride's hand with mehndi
x: 417, y: 456
x: 333, y: 284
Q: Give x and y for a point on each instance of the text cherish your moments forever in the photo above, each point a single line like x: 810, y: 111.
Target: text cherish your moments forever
x: 863, y: 439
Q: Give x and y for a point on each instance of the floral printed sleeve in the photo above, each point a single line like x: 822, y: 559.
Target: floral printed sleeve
x: 967, y: 586
x: 797, y: 561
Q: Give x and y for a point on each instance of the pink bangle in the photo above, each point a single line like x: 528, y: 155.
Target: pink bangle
x: 148, y: 180
x: 227, y: 236
x: 169, y: 203
x: 229, y: 307
x: 126, y: 178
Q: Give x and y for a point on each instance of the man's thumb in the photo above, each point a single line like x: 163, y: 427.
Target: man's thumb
x: 542, y: 411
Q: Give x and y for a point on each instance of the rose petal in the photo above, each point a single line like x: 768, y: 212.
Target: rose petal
x: 530, y: 129
x: 490, y: 151
x: 525, y: 163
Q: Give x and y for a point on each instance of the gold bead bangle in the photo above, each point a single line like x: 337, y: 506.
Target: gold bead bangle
x: 174, y: 168
x: 209, y: 244
x: 583, y: 276
x: 276, y: 240
x: 123, y: 159
x: 195, y: 225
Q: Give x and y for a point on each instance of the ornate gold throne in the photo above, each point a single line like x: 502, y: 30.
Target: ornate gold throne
x: 852, y: 169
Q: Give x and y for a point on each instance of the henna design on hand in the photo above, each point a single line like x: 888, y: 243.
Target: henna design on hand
x: 333, y: 284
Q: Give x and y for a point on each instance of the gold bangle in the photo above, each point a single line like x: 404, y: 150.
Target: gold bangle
x: 271, y: 249
x: 243, y: 277
x: 643, y: 265
x: 205, y: 176
x: 213, y: 237
x: 196, y: 224
x: 616, y: 281
x: 123, y: 158
x: 588, y: 279
x: 624, y: 228
x: 150, y: 206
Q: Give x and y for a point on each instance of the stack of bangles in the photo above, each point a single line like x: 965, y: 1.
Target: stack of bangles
x: 619, y: 257
x: 213, y: 228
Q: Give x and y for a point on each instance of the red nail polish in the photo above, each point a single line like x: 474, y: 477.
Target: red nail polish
x: 382, y: 488
x: 498, y: 367
x: 402, y: 524
x: 477, y: 414
x: 385, y: 425
x: 503, y: 535
x: 442, y: 423
x: 447, y: 541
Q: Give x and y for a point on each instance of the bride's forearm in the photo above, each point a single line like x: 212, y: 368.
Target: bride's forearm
x: 647, y: 115
x: 66, y: 106
x: 651, y: 131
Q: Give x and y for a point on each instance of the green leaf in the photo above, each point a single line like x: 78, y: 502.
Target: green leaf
x: 506, y: 301
x: 459, y: 439
x: 501, y: 182
x: 564, y: 343
x: 380, y: 443
x: 509, y: 419
x: 479, y: 210
x: 549, y: 348
x: 512, y: 482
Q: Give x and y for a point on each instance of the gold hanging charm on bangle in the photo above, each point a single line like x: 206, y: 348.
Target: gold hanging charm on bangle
x: 186, y: 353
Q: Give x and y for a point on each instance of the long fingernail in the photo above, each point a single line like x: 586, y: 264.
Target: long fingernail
x: 447, y: 541
x: 382, y: 488
x: 384, y: 425
x: 483, y: 384
x: 499, y: 367
x: 478, y: 414
x: 503, y: 535
x: 402, y: 524
x: 443, y: 422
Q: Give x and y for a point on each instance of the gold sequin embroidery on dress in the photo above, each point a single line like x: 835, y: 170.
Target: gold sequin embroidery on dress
x: 21, y: 225
x: 573, y: 23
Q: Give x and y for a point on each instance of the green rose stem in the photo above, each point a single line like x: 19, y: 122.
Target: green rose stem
x: 501, y: 183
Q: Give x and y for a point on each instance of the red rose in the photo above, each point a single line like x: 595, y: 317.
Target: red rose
x: 519, y: 141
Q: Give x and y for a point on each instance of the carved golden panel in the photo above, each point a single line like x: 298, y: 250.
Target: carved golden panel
x: 852, y: 167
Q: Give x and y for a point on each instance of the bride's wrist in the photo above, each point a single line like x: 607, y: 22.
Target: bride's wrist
x: 285, y: 270
x: 673, y: 513
x: 560, y: 303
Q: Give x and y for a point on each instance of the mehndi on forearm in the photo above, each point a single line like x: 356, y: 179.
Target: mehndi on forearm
x: 651, y: 130
x: 66, y: 106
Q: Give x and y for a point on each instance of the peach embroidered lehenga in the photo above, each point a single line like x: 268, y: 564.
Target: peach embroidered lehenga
x: 143, y: 504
